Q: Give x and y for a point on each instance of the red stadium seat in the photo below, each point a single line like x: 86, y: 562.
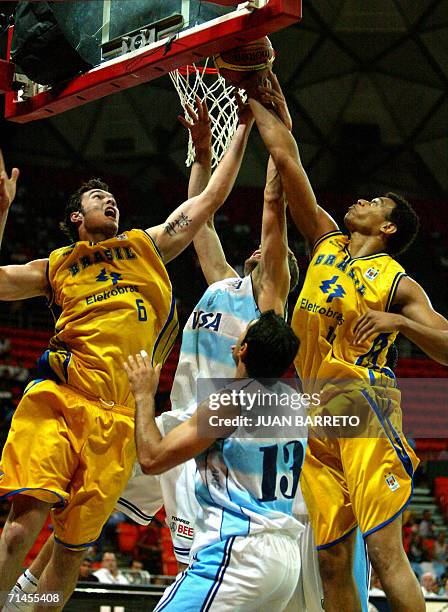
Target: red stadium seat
x: 127, y: 537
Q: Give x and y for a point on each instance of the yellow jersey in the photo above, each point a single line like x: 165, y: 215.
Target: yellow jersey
x: 337, y: 290
x: 116, y: 299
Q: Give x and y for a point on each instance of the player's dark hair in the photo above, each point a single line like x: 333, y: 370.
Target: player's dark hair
x: 74, y: 205
x: 293, y: 271
x: 407, y: 222
x: 271, y: 346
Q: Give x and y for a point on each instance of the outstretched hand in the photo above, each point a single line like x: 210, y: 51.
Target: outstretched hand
x: 143, y: 378
x: 199, y: 126
x: 271, y: 96
x: 7, y: 186
x: 245, y: 115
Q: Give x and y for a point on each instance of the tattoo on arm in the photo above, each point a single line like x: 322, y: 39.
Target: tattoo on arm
x: 172, y: 227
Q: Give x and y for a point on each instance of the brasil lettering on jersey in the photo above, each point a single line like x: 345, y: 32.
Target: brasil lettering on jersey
x: 330, y: 260
x: 101, y: 256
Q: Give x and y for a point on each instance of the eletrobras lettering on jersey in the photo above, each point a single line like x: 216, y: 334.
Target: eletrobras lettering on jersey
x: 116, y: 299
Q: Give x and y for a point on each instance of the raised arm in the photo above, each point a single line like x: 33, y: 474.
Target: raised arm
x: 201, y: 136
x: 312, y: 221
x: 206, y: 241
x: 7, y: 193
x: 24, y: 281
x: 155, y: 453
x: 273, y: 283
x: 173, y: 236
x: 414, y: 317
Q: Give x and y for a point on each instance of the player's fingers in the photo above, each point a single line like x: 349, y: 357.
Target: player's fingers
x: 275, y: 82
x: 139, y: 361
x: 205, y: 114
x: 360, y: 331
x: 191, y: 112
x: 184, y: 122
x: 15, y: 174
x: 366, y: 333
x: 131, y: 362
x: 199, y: 107
x: 359, y: 322
x: 157, y: 370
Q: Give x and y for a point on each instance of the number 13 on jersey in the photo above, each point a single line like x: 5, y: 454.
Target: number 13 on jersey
x: 291, y: 454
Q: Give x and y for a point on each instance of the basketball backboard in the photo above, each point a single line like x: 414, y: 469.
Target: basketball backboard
x: 130, y: 42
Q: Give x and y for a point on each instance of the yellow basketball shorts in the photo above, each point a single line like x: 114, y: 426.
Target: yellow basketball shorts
x: 72, y: 452
x: 358, y: 481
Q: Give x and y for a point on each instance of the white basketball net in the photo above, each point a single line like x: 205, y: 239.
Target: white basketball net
x: 222, y: 106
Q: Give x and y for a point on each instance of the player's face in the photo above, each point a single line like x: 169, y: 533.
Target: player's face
x: 100, y: 212
x: 368, y: 215
x: 252, y: 262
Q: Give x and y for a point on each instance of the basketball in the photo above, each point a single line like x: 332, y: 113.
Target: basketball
x: 236, y: 64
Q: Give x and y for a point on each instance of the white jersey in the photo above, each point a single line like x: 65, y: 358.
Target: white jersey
x: 219, y: 318
x: 248, y: 484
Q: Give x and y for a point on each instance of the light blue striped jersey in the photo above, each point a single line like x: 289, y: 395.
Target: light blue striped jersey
x: 214, y: 326
x: 249, y: 484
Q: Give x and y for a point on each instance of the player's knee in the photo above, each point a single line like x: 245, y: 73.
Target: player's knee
x: 384, y: 554
x: 333, y: 563
x: 16, y: 536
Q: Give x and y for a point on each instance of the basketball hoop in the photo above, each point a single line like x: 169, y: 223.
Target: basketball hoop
x: 206, y: 82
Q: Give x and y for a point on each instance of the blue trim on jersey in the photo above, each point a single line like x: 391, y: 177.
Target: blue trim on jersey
x: 65, y: 366
x: 152, y: 241
x: 32, y: 384
x: 323, y: 237
x: 393, y: 289
x: 197, y: 587
x: 180, y: 550
x: 167, y: 322
x: 219, y: 575
x: 401, y: 451
x: 75, y: 546
x: 361, y: 570
x: 44, y: 368
x: 334, y: 542
x: 166, y: 351
x: 162, y: 604
x: 135, y: 509
x: 60, y: 503
x: 402, y: 509
x: 371, y: 377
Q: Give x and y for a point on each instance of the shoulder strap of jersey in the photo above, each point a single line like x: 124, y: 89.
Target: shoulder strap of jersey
x: 324, y: 237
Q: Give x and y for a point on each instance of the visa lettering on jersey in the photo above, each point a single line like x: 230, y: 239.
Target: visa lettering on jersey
x: 330, y: 260
x: 101, y: 256
x: 207, y: 320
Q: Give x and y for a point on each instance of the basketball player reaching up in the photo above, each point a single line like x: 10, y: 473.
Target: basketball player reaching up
x: 116, y: 299
x: 355, y: 299
x: 219, y: 318
x: 245, y: 552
